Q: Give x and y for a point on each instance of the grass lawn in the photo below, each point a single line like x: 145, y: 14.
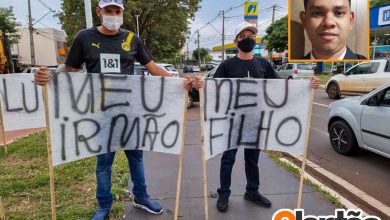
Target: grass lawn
x: 25, y: 190
x: 324, y: 78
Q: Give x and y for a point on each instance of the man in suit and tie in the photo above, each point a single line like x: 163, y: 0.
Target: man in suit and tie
x: 328, y: 24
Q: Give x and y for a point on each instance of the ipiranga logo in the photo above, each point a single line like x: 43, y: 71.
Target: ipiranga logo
x: 339, y: 214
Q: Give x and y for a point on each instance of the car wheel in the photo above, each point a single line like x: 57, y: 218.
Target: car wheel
x: 190, y: 101
x: 342, y: 138
x: 333, y: 91
x: 290, y: 78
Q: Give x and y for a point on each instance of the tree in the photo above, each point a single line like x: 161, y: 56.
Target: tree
x: 204, y: 55
x: 374, y: 3
x: 277, y: 35
x: 163, y: 24
x: 8, y: 24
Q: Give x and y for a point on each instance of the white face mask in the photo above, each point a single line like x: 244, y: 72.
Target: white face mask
x: 112, y: 23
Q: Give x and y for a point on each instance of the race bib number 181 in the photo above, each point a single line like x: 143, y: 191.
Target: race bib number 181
x: 110, y: 63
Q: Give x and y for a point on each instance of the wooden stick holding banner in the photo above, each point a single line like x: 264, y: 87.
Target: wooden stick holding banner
x: 206, y: 204
x: 2, y: 213
x: 2, y: 129
x: 299, y: 202
x: 49, y: 155
x: 178, y: 183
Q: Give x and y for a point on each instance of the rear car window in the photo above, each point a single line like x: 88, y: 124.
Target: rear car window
x: 304, y: 67
x: 387, y: 68
x: 282, y: 68
x: 367, y: 68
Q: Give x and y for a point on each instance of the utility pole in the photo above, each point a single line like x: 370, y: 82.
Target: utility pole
x: 273, y: 19
x: 137, y: 16
x: 198, y: 51
x: 30, y: 27
x: 188, y: 52
x: 223, y: 35
x: 273, y: 12
x: 88, y: 13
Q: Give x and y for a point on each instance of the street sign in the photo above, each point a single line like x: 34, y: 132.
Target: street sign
x: 251, y: 12
x: 251, y: 9
x: 384, y: 16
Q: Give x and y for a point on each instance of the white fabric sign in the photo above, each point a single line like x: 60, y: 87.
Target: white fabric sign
x: 255, y: 113
x: 21, y: 102
x: 91, y: 114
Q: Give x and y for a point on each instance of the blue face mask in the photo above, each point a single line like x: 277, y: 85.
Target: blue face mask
x: 246, y: 45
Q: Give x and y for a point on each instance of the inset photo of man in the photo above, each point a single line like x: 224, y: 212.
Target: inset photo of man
x: 328, y: 30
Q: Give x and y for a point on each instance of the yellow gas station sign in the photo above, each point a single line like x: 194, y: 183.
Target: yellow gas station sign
x: 251, y: 9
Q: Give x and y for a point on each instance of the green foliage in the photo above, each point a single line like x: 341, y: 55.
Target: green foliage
x: 163, y: 24
x: 8, y: 24
x: 258, y: 55
x: 277, y: 35
x: 204, y: 55
x: 374, y: 3
x: 25, y: 190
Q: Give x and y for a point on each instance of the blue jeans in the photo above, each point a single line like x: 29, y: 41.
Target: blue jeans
x: 103, y: 176
x: 251, y: 171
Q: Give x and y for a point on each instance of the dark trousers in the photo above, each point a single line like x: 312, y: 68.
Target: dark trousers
x: 251, y: 171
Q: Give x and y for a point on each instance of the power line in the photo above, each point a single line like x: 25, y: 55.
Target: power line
x: 234, y: 7
x: 207, y: 24
x: 42, y: 3
x: 218, y: 15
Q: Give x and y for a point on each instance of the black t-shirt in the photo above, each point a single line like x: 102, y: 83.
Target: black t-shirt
x: 107, y: 53
x: 237, y: 68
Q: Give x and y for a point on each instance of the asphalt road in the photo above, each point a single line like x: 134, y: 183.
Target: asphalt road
x: 367, y: 171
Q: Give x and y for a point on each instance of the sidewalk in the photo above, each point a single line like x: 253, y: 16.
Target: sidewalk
x: 10, y: 136
x: 277, y: 184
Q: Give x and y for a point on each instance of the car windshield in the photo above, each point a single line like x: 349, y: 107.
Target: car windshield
x: 304, y: 66
x: 170, y: 68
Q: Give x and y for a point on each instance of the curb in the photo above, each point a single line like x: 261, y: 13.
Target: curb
x: 365, y: 199
x: 342, y: 199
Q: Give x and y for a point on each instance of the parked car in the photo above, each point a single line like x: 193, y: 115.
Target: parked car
x: 170, y: 68
x: 188, y: 69
x: 209, y: 66
x: 34, y: 69
x: 211, y: 73
x: 295, y: 71
x: 140, y: 70
x: 195, y: 69
x: 361, y: 122
x: 359, y: 79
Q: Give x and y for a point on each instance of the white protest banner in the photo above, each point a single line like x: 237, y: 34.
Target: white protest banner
x: 91, y: 114
x: 255, y: 113
x: 21, y: 101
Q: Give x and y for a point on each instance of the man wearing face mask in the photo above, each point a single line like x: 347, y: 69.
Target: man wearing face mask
x: 108, y: 49
x: 244, y: 65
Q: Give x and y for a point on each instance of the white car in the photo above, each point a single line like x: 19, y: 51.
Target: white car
x: 362, y: 121
x: 359, y: 79
x: 296, y: 71
x: 169, y: 68
x: 34, y: 69
x: 196, y: 69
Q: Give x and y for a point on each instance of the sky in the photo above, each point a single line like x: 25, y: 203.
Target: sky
x: 208, y: 12
x: 38, y: 10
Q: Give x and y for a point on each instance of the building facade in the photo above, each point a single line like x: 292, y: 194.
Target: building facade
x: 49, y: 46
x: 380, y: 31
